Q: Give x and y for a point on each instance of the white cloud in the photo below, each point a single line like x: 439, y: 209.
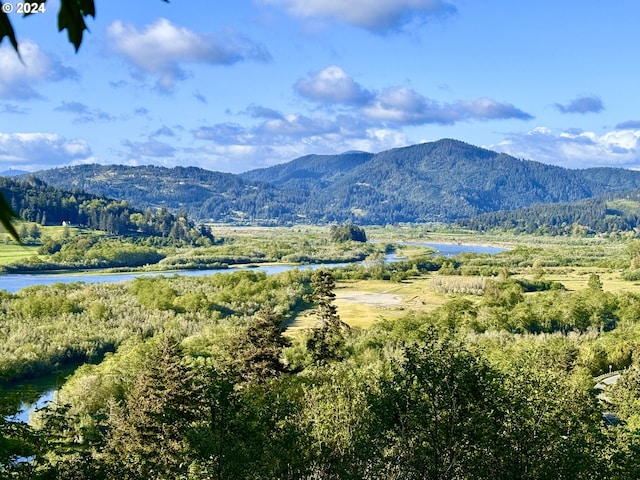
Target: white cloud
x: 398, y: 104
x: 162, y: 48
x: 575, y: 149
x: 18, y: 77
x: 332, y: 84
x: 405, y: 106
x: 36, y: 151
x: 374, y: 15
x: 489, y: 109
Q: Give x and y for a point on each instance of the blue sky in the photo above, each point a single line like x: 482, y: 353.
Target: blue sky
x: 232, y: 86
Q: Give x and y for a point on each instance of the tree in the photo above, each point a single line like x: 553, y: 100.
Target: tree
x: 436, y: 415
x: 17, y: 440
x: 594, y: 283
x: 550, y: 425
x: 147, y: 432
x: 347, y: 232
x: 327, y: 340
x: 259, y: 347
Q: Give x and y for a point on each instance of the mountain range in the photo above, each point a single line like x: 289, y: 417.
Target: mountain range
x: 440, y: 181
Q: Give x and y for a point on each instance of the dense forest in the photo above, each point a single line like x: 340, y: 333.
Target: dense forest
x: 614, y: 212
x: 197, y: 378
x: 437, y: 181
x: 35, y: 201
x: 202, y: 194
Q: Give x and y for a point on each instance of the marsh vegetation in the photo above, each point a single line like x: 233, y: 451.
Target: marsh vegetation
x: 473, y: 366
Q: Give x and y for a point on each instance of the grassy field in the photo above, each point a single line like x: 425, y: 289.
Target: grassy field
x: 576, y: 278
x: 363, y: 302
x: 358, y: 306
x: 13, y: 252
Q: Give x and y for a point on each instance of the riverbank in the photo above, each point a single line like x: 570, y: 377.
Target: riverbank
x: 12, y: 282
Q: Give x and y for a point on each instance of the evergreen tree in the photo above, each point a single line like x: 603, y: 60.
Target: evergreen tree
x: 594, y: 282
x: 327, y: 340
x: 260, y: 347
x: 147, y: 432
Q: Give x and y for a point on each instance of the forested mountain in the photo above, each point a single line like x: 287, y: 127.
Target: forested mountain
x: 202, y: 194
x: 612, y: 212
x: 309, y: 172
x: 437, y: 181
x: 35, y: 201
x: 12, y: 173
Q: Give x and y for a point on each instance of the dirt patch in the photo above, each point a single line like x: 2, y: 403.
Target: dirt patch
x: 382, y: 300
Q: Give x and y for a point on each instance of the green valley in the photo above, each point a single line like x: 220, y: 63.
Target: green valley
x: 420, y: 365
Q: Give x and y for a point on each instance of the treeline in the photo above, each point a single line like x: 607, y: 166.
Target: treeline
x: 348, y: 232
x: 203, y: 385
x: 77, y: 249
x: 35, y: 201
x: 595, y: 216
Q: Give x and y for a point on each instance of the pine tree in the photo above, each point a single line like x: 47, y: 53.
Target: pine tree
x: 260, y: 347
x: 148, y: 430
x: 327, y: 340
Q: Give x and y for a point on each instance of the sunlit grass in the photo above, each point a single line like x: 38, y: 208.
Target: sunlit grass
x: 361, y: 303
x: 576, y: 278
x: 10, y: 253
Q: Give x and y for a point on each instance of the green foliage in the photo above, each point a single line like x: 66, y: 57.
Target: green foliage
x: 202, y: 384
x: 434, y: 416
x: 603, y: 215
x: 147, y: 431
x: 43, y: 328
x: 327, y: 340
x: 17, y: 440
x: 259, y: 347
x: 35, y: 201
x: 348, y: 232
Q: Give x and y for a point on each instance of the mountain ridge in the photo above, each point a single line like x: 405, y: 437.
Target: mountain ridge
x: 436, y: 181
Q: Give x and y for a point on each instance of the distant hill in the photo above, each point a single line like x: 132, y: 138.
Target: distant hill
x: 612, y: 212
x: 13, y: 173
x: 438, y: 181
x: 202, y: 194
x: 309, y: 172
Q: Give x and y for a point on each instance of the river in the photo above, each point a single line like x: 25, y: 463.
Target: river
x: 15, y: 282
